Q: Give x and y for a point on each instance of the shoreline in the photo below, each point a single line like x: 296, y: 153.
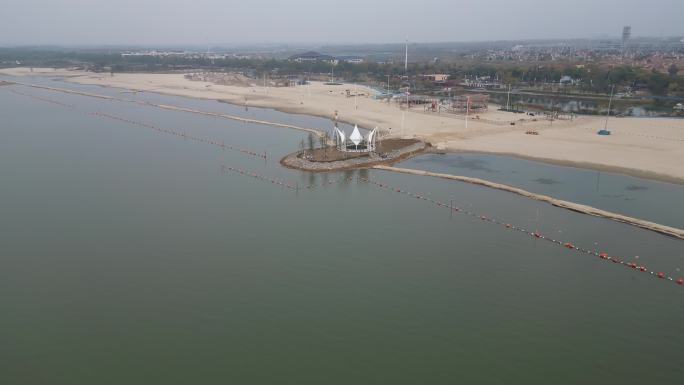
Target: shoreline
x: 650, y: 148
x: 634, y: 173
x: 296, y: 162
x: 175, y: 108
x: 427, y: 148
x: 434, y: 148
x: 572, y: 206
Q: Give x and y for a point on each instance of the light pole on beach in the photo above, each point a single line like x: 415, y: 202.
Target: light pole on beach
x: 508, y: 98
x: 610, y: 102
x: 388, y: 92
x: 356, y: 105
x: 467, y: 111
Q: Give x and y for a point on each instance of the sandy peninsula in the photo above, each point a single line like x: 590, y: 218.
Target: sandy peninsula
x: 645, y: 147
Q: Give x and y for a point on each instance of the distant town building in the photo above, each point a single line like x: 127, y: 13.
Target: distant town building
x: 470, y: 103
x: 567, y: 81
x: 610, y: 45
x: 182, y: 54
x: 481, y: 82
x: 351, y: 59
x: 626, y: 34
x: 437, y: 77
x: 312, y: 56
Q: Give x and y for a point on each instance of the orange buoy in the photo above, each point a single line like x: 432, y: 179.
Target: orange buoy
x: 569, y: 245
x: 661, y: 275
x: 680, y: 281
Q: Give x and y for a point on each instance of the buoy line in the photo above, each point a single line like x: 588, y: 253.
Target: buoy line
x: 263, y: 178
x: 535, y: 234
x: 453, y: 209
x: 317, y: 186
x: 279, y: 182
x: 176, y: 133
x: 183, y: 135
x: 43, y: 99
x: 584, y: 209
x: 318, y: 132
x: 459, y: 210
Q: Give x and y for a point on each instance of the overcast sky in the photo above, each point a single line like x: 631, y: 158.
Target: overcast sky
x: 228, y: 22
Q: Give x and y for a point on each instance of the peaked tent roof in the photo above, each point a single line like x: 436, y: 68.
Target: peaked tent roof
x: 356, y: 136
x: 341, y: 135
x: 372, y: 133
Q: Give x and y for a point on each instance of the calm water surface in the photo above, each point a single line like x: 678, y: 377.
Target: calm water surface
x: 130, y: 256
x: 645, y: 199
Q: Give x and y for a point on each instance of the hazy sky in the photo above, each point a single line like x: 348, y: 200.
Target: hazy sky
x: 203, y: 22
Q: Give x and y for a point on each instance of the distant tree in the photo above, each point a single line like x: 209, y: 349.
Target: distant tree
x: 311, y: 141
x: 323, y: 139
x: 658, y: 83
x: 673, y: 70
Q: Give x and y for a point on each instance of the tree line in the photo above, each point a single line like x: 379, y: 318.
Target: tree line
x: 592, y: 78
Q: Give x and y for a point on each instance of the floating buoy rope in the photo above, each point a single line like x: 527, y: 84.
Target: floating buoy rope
x: 168, y: 131
x: 535, y: 234
x: 263, y: 178
x: 423, y: 197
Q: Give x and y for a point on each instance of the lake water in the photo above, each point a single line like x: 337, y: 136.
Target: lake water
x: 132, y: 256
x: 645, y: 199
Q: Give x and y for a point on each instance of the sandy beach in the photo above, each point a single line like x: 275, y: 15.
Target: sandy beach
x: 644, y: 147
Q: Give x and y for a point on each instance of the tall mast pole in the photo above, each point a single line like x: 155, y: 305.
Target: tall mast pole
x: 406, y: 59
x: 388, y: 91
x: 467, y: 111
x: 610, y: 102
x: 408, y: 87
x: 508, y: 99
x: 356, y: 104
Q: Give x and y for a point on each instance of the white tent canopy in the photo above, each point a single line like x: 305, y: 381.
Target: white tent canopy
x: 356, y: 136
x: 361, y: 144
x: 341, y: 137
x: 371, y: 136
